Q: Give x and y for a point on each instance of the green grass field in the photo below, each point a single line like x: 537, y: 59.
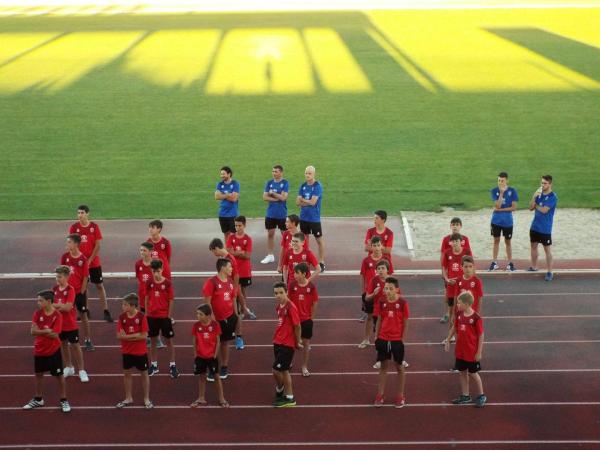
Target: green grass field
x: 134, y: 115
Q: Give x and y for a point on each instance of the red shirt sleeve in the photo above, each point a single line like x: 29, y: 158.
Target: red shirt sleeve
x: 249, y: 244
x: 57, y: 328
x: 363, y: 269
x: 315, y: 293
x: 86, y: 268
x: 72, y: 229
x: 97, y: 233
x: 209, y: 288
x: 368, y: 236
x: 144, y: 324
x: 479, y: 327
x: 443, y: 247
x: 406, y: 313
x: 294, y: 316
x: 170, y: 295
x: 390, y: 240
x: 312, y: 259
x: 119, y: 326
x: 70, y: 294
x: 217, y: 327
x: 168, y: 249
x: 229, y: 243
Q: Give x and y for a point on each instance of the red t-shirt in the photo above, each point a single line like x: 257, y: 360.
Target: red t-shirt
x: 380, y: 297
x: 89, y: 236
x: 160, y: 295
x: 143, y: 273
x: 392, y: 316
x: 291, y: 259
x: 288, y: 318
x: 368, y: 268
x: 206, y: 338
x: 387, y: 237
x: 304, y: 297
x: 286, y: 240
x: 162, y: 248
x: 453, y: 264
x: 44, y: 345
x: 79, y: 269
x: 222, y: 295
x: 468, y: 332
x: 474, y: 286
x: 133, y: 325
x: 65, y: 296
x: 244, y: 244
x: 464, y: 244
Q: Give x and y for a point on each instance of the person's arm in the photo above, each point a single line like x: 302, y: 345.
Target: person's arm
x: 220, y: 195
x: 36, y: 331
x: 542, y: 209
x: 370, y: 296
x: 480, y: 312
x: 378, y: 326
x: 315, y: 273
x: 299, y: 201
x: 479, y: 348
x: 84, y: 285
x: 451, y: 333
x: 313, y: 310
x: 311, y: 202
x: 499, y: 200
x: 95, y: 251
x: 297, y: 333
x: 218, y: 345
x: 233, y: 196
x: 171, y: 307
x: 268, y: 197
x: 404, y: 328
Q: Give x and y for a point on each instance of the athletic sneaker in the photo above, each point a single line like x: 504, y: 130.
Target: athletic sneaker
x: 400, y: 402
x: 278, y: 394
x: 107, y: 317
x: 83, y: 376
x: 363, y: 317
x: 462, y: 400
x: 532, y: 269
x: 64, y: 406
x: 173, y: 372
x: 363, y: 344
x: 285, y: 402
x: 250, y: 314
x: 268, y: 259
x: 379, y: 400
x: 405, y: 364
x: 454, y: 369
x: 153, y: 369
x: 68, y: 372
x: 88, y: 346
x: 210, y: 376
x: 239, y: 343
x: 549, y: 276
x: 444, y: 318
x: 510, y: 267
x: 160, y: 343
x: 494, y: 266
x: 224, y: 373
x: 480, y: 401
x: 33, y: 403
x: 453, y: 339
x: 322, y: 265
x: 377, y: 365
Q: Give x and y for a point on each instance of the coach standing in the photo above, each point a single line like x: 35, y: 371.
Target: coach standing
x: 544, y: 203
x: 228, y: 194
x: 276, y: 194
x: 309, y: 199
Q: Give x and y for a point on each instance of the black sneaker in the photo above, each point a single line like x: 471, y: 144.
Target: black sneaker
x: 64, y: 406
x: 152, y: 370
x: 278, y: 395
x: 322, y: 266
x: 88, y: 346
x: 173, y: 371
x: 107, y: 317
x: 480, y: 401
x: 285, y: 402
x: 462, y: 400
x: 224, y: 373
x: 210, y: 376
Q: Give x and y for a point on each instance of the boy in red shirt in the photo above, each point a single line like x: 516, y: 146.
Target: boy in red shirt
x: 368, y: 272
x: 455, y: 227
x: 452, y: 271
x: 78, y: 264
x: 205, y: 334
x: 471, y: 283
x: 161, y: 245
x: 291, y: 224
x: 143, y: 273
x: 296, y: 255
x: 90, y: 246
x: 382, y: 232
x: 159, y: 309
x: 391, y: 332
x: 287, y: 337
x: 46, y: 326
x: 220, y: 293
x: 64, y: 302
x: 132, y: 331
x: 468, y: 328
x: 304, y: 295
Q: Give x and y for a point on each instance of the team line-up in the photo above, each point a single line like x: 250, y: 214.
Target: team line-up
x: 148, y: 314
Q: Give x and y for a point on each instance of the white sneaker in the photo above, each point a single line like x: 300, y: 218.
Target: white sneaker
x: 405, y: 364
x: 268, y: 259
x: 453, y: 339
x: 68, y: 371
x: 83, y: 376
x: 377, y: 365
x: 65, y: 407
x: 363, y: 344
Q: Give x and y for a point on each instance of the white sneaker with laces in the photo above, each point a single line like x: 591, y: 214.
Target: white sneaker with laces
x: 268, y: 259
x: 65, y: 407
x: 68, y: 371
x: 405, y: 364
x: 33, y: 403
x: 377, y: 365
x: 83, y: 376
x: 363, y: 344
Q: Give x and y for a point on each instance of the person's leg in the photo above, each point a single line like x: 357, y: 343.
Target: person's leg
x: 224, y: 354
x: 85, y: 326
x: 321, y: 248
x: 508, y: 245
x: 39, y: 384
x: 278, y: 380
x: 464, y: 382
x: 534, y: 255
x: 127, y: 383
x: 382, y: 378
x: 287, y: 383
x: 549, y: 259
x: 76, y: 348
x: 401, y: 380
x: 271, y: 241
x: 202, y: 387
x: 153, y: 358
x: 219, y: 388
x: 305, y: 354
x: 478, y: 385
x: 65, y: 352
x: 171, y: 347
x: 62, y: 386
x: 495, y: 248
x: 102, y: 296
x: 145, y: 386
x: 368, y: 328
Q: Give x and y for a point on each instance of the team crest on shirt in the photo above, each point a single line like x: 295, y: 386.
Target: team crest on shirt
x: 156, y: 294
x: 308, y: 290
x: 218, y: 286
x: 210, y: 328
x: 303, y: 257
x: 472, y: 284
x: 455, y: 266
x: 137, y: 321
x: 84, y: 238
x: 301, y: 297
x: 91, y: 230
x: 162, y: 246
x: 226, y: 296
x: 471, y: 321
x: 163, y: 287
x: 450, y: 257
x: 80, y: 263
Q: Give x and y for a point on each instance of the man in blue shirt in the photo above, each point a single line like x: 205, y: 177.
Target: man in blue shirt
x: 309, y: 200
x: 275, y: 194
x: 543, y: 203
x: 505, y: 200
x: 228, y: 194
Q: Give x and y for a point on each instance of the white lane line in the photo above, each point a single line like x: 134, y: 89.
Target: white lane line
x: 407, y: 233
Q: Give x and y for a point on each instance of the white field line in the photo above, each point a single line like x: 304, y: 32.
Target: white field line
x: 407, y: 233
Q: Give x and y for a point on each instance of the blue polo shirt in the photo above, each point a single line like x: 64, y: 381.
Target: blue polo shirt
x: 542, y: 223
x: 228, y: 208
x: 278, y: 209
x: 308, y: 191
x: 504, y: 218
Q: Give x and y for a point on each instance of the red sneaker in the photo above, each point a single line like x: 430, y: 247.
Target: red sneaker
x: 379, y: 400
x: 400, y: 402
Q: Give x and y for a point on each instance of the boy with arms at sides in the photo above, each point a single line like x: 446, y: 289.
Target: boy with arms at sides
x: 275, y: 194
x: 239, y: 245
x: 368, y: 272
x: 220, y: 292
x: 468, y: 327
x: 452, y: 271
x: 143, y: 273
x: 132, y: 332
x: 505, y: 200
x: 381, y: 231
x: 227, y: 194
x: 455, y: 227
x: 469, y: 282
x: 46, y: 326
x: 304, y: 295
x: 287, y: 337
x: 64, y: 302
x: 391, y: 332
x: 205, y: 336
x: 291, y: 225
x: 78, y: 278
x: 90, y: 246
x: 159, y: 309
x: 161, y: 245
x: 296, y: 255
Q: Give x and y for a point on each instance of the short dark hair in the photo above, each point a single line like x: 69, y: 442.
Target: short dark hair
x: 278, y: 167
x: 156, y: 224
x: 156, y: 264
x: 46, y: 295
x: 456, y: 220
x: 205, y: 309
x: 222, y: 262
x: 299, y: 236
x: 467, y: 258
x: 132, y: 299
x: 215, y: 243
x: 455, y: 237
x: 294, y: 219
x: 548, y: 178
x: 302, y: 267
x: 85, y: 208
x: 227, y: 169
x: 241, y: 219
x: 383, y: 262
x: 280, y: 284
x: 75, y: 238
x: 392, y: 280
x: 375, y: 240
x: 381, y: 214
x: 148, y: 245
x: 63, y: 270
x: 502, y: 175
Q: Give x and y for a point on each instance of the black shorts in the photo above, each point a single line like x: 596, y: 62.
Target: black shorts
x: 71, y: 336
x: 367, y: 305
x: 306, y: 327
x: 228, y: 328
x: 162, y: 324
x: 450, y: 301
x: 507, y: 232
x: 81, y: 302
x: 227, y: 224
x: 52, y: 364
x: 140, y: 362
x: 245, y: 282
x: 313, y: 228
x: 283, y: 357
x: 96, y: 275
x: 271, y: 224
x: 471, y: 366
x: 389, y: 350
x: 201, y: 365
x: 544, y: 239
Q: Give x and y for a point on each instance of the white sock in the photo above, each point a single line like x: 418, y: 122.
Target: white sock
x: 172, y: 363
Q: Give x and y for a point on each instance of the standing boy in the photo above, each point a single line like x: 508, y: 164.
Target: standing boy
x: 291, y: 224
x: 296, y: 255
x: 469, y: 282
x: 543, y: 203
x: 143, y: 272
x: 46, y: 326
x: 287, y: 337
x: 205, y: 336
x: 161, y: 246
x: 452, y: 271
x: 90, y: 246
x: 132, y: 332
x: 310, y: 195
x: 275, y: 194
x: 228, y: 194
x: 381, y: 231
x: 455, y: 227
x: 505, y: 200
x: 304, y: 295
x: 468, y: 328
x: 391, y: 332
x: 64, y: 302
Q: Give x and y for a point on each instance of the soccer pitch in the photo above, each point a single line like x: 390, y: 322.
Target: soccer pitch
x: 134, y: 114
